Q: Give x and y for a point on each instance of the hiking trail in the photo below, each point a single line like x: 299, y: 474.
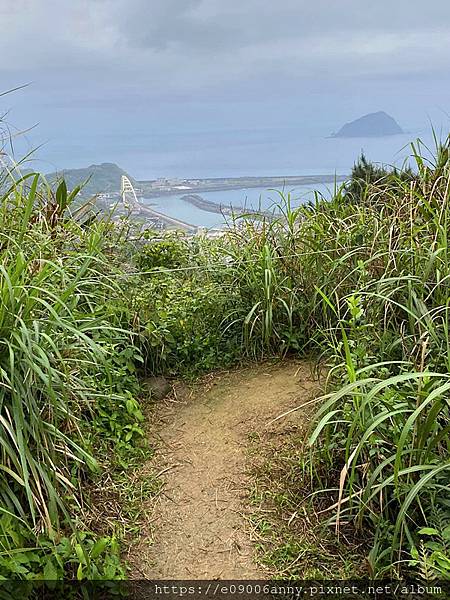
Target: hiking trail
x: 197, y: 528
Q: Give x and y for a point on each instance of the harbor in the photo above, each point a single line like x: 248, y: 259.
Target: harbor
x: 216, y: 206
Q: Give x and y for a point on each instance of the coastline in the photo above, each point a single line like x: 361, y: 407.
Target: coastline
x: 230, y: 200
x: 191, y: 186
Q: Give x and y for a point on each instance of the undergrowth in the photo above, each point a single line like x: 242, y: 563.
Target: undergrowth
x: 292, y: 540
x: 361, y: 282
x: 68, y: 383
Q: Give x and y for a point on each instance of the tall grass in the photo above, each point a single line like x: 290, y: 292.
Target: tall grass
x: 363, y: 282
x: 392, y: 415
x: 59, y: 340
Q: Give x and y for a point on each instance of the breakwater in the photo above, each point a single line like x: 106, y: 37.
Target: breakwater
x: 224, y: 209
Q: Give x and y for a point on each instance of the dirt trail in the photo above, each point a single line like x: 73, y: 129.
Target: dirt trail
x: 196, y: 529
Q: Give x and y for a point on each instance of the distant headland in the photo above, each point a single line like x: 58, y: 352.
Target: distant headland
x: 377, y: 124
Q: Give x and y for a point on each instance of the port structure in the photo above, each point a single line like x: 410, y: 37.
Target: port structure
x: 131, y: 202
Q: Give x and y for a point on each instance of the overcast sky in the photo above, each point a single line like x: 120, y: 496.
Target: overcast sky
x: 102, y: 67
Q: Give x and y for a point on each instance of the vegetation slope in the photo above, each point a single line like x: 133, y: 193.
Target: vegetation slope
x: 360, y: 282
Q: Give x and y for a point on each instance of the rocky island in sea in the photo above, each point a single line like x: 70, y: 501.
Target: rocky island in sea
x: 377, y: 124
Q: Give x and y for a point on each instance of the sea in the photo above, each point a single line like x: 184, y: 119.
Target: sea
x: 264, y: 156
x: 231, y: 153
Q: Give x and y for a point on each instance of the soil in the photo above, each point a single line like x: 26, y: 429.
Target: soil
x: 198, y: 527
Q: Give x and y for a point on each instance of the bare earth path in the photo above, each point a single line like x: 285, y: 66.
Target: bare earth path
x: 196, y: 528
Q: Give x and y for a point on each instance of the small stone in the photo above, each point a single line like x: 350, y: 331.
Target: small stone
x: 158, y: 387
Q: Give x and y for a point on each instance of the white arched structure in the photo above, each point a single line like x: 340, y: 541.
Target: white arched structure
x: 128, y: 194
x: 131, y: 203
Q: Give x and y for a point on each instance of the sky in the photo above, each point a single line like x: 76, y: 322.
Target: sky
x: 104, y: 72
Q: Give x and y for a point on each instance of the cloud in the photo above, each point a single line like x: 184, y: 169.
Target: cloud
x: 182, y: 40
x: 100, y: 60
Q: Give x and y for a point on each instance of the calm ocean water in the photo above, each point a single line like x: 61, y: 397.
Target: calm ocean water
x: 269, y: 152
x: 224, y: 153
x: 258, y: 153
x: 256, y: 198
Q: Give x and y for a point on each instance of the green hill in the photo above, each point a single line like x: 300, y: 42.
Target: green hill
x: 99, y: 178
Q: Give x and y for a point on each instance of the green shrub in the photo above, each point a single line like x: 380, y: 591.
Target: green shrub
x: 182, y: 325
x: 79, y: 556
x: 170, y: 252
